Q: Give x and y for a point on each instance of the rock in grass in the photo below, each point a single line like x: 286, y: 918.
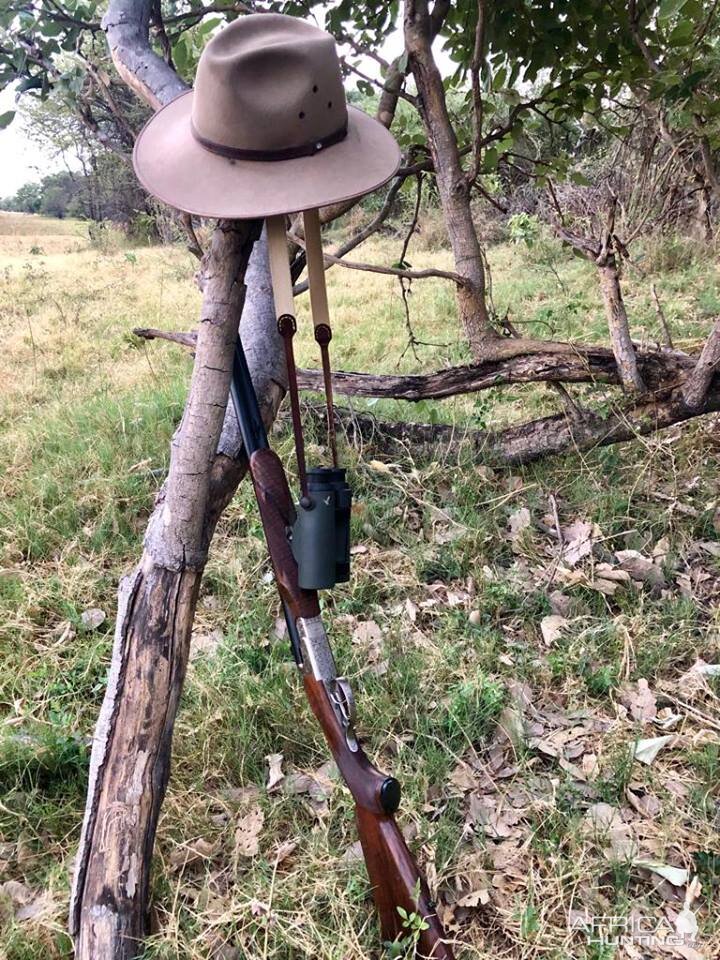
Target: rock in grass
x: 92, y: 618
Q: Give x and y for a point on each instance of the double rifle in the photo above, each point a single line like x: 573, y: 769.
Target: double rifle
x: 309, y: 549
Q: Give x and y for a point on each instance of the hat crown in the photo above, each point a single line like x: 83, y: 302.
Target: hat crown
x: 268, y: 82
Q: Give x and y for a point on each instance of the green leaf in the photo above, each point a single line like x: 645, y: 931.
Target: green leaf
x: 51, y: 29
x: 19, y: 59
x: 29, y: 83
x: 180, y: 54
x: 681, y: 34
x: 207, y: 26
x: 490, y: 159
x: 6, y: 118
x: 668, y: 8
x: 500, y: 78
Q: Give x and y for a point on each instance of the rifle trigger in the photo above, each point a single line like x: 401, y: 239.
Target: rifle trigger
x: 345, y: 700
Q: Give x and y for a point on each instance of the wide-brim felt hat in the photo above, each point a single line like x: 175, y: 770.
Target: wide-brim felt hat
x: 266, y: 129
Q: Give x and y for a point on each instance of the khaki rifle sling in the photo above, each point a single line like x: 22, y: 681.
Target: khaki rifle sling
x: 320, y: 313
x: 285, y: 311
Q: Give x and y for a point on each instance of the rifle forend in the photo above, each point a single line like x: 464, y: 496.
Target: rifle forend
x: 394, y: 875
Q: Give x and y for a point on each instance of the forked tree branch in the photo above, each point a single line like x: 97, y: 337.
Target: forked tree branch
x: 129, y: 766
x: 365, y: 232
x: 127, y: 23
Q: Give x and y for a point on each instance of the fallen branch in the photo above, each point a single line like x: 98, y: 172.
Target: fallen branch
x: 521, y: 361
x: 522, y: 444
x: 578, y: 364
x: 526, y: 442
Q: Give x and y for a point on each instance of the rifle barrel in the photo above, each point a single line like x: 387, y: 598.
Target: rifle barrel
x: 247, y: 409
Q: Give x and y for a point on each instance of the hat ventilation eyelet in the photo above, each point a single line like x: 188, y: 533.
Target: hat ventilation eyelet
x: 302, y: 115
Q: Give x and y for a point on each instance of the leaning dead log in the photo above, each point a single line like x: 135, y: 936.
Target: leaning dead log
x: 130, y: 759
x: 131, y: 748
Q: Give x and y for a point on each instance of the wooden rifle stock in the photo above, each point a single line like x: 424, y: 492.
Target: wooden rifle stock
x: 395, y: 878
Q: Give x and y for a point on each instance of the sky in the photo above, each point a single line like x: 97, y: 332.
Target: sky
x: 21, y: 160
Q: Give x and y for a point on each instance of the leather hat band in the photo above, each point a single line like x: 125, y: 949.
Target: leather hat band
x: 284, y: 153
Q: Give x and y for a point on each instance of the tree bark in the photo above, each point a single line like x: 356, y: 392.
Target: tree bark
x: 131, y: 747
x: 604, y: 258
x: 695, y: 389
x: 453, y: 185
x: 702, y: 220
x: 130, y: 759
x: 127, y: 23
x: 619, y: 327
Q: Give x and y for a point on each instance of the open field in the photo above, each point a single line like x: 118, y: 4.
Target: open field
x: 514, y: 639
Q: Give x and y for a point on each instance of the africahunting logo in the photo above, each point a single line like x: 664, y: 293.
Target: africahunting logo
x: 637, y: 930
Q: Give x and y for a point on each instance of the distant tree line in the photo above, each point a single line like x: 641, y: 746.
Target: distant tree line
x: 105, y: 189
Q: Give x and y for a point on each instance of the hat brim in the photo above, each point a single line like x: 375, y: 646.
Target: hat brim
x: 175, y: 168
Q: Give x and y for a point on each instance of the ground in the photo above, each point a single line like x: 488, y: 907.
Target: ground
x: 534, y: 652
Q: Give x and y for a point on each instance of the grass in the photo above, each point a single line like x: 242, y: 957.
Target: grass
x: 505, y: 744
